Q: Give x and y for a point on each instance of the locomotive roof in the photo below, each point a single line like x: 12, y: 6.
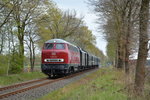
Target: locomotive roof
x: 58, y: 41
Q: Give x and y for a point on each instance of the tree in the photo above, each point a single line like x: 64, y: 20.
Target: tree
x: 111, y: 52
x: 143, y: 44
x: 83, y: 37
x: 119, y: 26
x: 31, y: 39
x: 23, y: 15
x: 5, y: 12
x: 2, y: 36
x: 58, y: 24
x: 115, y: 14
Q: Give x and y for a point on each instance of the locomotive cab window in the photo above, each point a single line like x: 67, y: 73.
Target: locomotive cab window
x: 48, y: 46
x: 60, y: 46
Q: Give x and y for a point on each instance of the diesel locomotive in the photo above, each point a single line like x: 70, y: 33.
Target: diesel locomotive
x: 60, y: 57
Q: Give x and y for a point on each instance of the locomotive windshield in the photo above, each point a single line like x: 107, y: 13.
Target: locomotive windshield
x: 48, y: 46
x: 54, y: 46
x: 60, y: 46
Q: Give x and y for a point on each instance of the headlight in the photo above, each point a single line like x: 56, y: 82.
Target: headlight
x: 61, y: 60
x: 45, y: 60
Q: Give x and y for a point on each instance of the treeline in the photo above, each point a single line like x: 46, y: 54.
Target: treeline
x: 125, y: 24
x: 26, y: 24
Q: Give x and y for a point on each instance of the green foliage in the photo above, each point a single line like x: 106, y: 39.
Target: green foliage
x: 83, y: 37
x: 111, y: 50
x: 46, y: 23
x: 14, y: 66
x: 3, y: 64
x: 57, y: 24
x: 10, y: 64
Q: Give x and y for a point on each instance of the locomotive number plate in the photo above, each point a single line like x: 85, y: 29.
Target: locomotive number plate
x: 53, y: 53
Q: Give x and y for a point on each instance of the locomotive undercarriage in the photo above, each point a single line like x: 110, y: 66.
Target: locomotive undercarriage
x: 53, y: 70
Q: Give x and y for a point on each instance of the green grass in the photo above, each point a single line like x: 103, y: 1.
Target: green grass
x: 105, y: 84
x: 11, y: 79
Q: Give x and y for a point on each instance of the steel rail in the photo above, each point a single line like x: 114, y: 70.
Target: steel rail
x: 21, y: 84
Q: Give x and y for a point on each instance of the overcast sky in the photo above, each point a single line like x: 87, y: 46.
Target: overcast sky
x: 82, y: 9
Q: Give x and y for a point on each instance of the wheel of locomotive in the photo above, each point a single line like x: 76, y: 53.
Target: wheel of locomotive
x: 71, y: 69
x: 52, y: 76
x: 66, y: 73
x: 78, y: 69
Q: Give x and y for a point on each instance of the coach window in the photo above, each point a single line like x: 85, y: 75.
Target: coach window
x: 60, y: 46
x: 49, y: 46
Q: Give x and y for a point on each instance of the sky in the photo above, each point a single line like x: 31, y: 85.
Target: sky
x: 83, y: 9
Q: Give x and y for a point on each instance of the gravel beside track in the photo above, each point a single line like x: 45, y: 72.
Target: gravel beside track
x: 41, y: 91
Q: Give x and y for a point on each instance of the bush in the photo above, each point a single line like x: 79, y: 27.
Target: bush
x: 11, y: 62
x: 3, y: 64
x: 15, y: 63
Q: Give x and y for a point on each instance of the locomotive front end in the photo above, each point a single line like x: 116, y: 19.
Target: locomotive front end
x: 54, y: 58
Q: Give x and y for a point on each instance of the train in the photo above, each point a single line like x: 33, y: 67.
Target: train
x: 60, y: 57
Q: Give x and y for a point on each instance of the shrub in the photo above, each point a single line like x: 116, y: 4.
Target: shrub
x: 3, y: 64
x: 15, y: 64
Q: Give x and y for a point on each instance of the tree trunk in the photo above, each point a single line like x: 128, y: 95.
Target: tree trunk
x: 127, y: 57
x: 21, y: 40
x: 21, y: 50
x: 33, y: 63
x: 143, y: 51
x: 2, y: 43
x: 120, y: 62
x: 116, y: 58
x: 128, y: 32
x: 32, y: 54
x: 121, y: 41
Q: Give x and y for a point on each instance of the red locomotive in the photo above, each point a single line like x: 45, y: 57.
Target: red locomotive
x: 60, y: 57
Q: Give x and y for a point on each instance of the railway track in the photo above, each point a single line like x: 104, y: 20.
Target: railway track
x: 6, y: 91
x: 21, y: 84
